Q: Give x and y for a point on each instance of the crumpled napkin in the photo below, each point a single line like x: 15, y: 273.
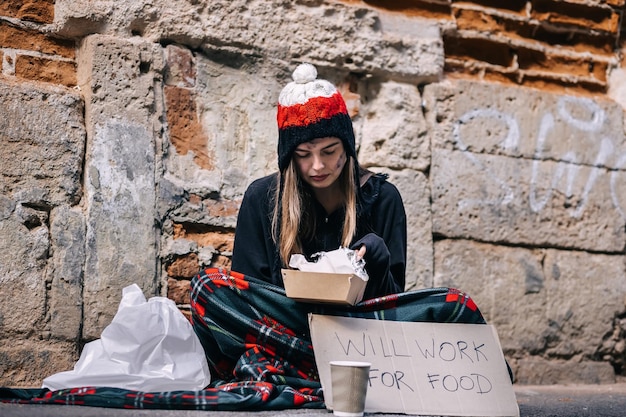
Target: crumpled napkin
x: 338, y: 261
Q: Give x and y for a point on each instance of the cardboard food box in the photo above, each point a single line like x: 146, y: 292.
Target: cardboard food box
x: 323, y: 287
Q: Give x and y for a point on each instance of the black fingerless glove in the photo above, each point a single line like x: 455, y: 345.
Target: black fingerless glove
x: 377, y: 260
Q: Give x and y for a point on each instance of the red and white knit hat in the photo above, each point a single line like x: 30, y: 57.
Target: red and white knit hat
x: 309, y: 108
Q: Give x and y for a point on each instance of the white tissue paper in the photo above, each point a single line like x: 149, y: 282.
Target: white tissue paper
x: 149, y: 346
x: 339, y: 261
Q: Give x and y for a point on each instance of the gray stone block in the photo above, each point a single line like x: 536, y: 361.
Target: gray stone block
x: 121, y: 236
x: 42, y: 140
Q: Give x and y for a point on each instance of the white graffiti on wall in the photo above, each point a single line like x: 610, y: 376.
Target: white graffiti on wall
x: 568, y: 163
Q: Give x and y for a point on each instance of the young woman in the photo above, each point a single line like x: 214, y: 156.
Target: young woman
x: 257, y: 340
x: 319, y: 200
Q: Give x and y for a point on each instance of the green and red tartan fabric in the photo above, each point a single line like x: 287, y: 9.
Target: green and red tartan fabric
x: 258, y: 346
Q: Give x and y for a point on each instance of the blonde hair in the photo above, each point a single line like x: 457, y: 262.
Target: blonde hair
x: 293, y: 210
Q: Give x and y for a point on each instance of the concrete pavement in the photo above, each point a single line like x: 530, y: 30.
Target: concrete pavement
x: 534, y: 401
x: 571, y: 400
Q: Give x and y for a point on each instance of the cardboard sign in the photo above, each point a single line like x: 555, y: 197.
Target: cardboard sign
x: 419, y: 368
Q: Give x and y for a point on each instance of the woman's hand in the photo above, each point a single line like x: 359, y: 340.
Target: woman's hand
x: 374, y: 251
x: 360, y: 253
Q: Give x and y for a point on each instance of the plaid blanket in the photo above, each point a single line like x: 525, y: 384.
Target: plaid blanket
x: 258, y: 346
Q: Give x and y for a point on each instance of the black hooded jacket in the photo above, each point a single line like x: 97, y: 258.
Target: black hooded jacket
x: 381, y: 227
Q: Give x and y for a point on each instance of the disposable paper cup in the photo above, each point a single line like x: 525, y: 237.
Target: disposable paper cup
x: 349, y: 381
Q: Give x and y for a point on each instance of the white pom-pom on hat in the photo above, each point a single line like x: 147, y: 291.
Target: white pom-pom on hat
x: 304, y: 73
x: 304, y: 86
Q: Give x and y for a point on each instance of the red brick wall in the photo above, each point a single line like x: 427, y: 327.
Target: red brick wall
x: 564, y: 45
x: 26, y: 51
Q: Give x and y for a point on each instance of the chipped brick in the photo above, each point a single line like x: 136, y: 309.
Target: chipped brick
x: 479, y: 49
x: 178, y: 290
x: 184, y: 267
x: 45, y: 70
x: 185, y: 129
x: 38, y: 11
x: 221, y: 239
x: 221, y: 208
x: 562, y: 86
x: 422, y: 8
x: 513, y: 6
x: 576, y: 15
x: 579, y: 67
x: 31, y: 40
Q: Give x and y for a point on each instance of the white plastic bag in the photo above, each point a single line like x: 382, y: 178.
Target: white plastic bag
x: 149, y: 346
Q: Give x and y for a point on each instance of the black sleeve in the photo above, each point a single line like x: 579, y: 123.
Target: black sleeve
x: 385, y: 254
x: 254, y: 250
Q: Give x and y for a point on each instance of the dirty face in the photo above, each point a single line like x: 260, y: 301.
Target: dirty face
x: 320, y: 162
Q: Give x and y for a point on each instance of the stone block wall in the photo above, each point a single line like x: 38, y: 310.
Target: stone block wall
x: 130, y: 132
